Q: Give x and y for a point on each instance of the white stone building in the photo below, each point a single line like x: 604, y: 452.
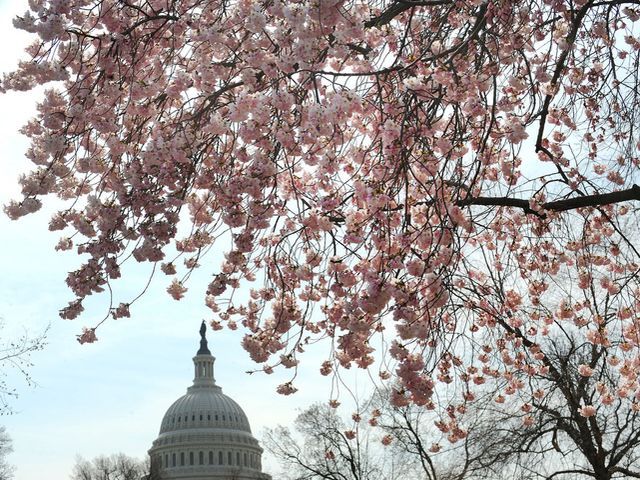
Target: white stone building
x: 205, y: 435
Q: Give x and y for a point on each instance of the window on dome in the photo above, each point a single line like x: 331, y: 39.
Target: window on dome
x: 190, y: 458
x: 201, y: 458
x: 219, y: 458
x: 229, y: 458
x: 209, y: 417
x: 224, y: 418
x: 179, y: 418
x: 186, y: 417
x: 238, y: 458
x: 173, y: 460
x: 210, y: 458
x: 166, y: 460
x: 216, y: 417
x: 193, y: 418
x: 200, y: 417
x: 181, y: 458
x: 246, y: 464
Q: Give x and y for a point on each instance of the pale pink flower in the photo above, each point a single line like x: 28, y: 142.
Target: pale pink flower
x: 286, y: 389
x: 168, y: 268
x: 588, y: 411
x: 327, y: 368
x: 288, y: 361
x: 122, y: 311
x: 176, y: 289
x: 585, y: 370
x: 607, y: 399
x: 88, y: 335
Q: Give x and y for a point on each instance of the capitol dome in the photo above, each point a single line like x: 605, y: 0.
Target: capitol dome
x: 205, y: 435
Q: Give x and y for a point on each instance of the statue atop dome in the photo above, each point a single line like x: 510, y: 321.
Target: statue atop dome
x: 204, y: 348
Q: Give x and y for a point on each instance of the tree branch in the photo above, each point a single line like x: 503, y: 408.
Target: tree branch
x: 626, y: 471
x: 595, y: 200
x: 399, y: 7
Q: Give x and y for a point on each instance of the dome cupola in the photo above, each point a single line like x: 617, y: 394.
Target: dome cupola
x: 205, y: 435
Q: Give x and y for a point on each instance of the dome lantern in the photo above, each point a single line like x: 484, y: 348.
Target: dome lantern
x: 203, y: 363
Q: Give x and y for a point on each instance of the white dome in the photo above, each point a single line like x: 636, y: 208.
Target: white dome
x: 205, y: 435
x: 204, y: 408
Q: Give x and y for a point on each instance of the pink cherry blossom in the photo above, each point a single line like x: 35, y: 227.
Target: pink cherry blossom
x: 585, y: 370
x: 588, y: 411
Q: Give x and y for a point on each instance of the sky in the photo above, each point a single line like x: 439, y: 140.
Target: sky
x: 110, y: 396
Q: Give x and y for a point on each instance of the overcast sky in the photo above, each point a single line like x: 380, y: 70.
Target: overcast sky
x: 107, y: 397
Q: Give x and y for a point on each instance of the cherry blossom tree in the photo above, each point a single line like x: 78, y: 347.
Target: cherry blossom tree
x: 423, y: 172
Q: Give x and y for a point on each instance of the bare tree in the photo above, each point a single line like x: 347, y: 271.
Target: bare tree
x: 570, y: 405
x: 16, y: 355
x: 394, y: 443
x: 113, y: 467
x: 563, y: 443
x: 323, y: 446
x: 6, y: 470
x: 478, y: 453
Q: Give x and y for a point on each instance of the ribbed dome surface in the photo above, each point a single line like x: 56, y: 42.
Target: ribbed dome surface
x: 205, y: 408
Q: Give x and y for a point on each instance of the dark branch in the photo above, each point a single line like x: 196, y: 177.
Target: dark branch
x: 596, y: 200
x: 399, y: 7
x: 627, y: 472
